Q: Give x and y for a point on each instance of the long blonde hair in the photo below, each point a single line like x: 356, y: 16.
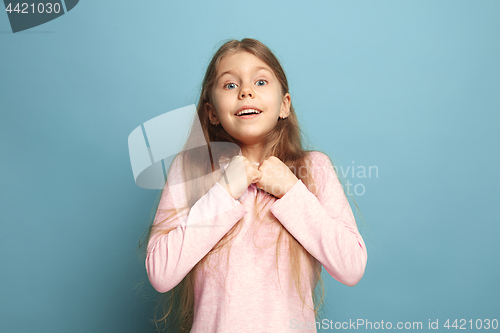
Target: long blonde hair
x: 284, y: 142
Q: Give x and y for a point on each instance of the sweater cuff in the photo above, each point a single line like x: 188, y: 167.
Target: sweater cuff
x: 296, y: 192
x: 213, y: 205
x: 223, y: 195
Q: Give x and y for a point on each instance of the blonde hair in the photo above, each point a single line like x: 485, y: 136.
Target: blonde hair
x: 284, y: 142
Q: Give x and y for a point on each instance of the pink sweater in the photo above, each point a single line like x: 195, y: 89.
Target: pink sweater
x: 246, y: 295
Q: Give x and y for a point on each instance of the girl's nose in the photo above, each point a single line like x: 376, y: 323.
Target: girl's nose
x: 246, y: 91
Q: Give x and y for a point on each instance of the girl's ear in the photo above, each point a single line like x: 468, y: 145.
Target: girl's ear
x: 285, y: 106
x: 212, y: 115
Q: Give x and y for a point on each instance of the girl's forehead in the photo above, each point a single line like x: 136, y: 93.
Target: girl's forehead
x: 243, y: 62
x: 240, y: 59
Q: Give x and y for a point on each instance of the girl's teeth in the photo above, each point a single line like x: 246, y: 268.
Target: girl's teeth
x: 248, y: 111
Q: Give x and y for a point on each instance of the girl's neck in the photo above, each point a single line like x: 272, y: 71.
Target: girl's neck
x: 252, y: 153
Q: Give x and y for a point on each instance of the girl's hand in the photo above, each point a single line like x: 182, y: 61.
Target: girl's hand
x: 239, y: 174
x: 276, y: 178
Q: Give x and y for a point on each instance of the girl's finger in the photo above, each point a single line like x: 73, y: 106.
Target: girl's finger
x: 257, y: 177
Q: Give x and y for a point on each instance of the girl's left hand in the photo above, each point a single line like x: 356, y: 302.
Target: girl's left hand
x: 276, y: 178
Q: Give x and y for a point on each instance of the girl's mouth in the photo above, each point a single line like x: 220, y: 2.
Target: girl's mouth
x: 248, y: 113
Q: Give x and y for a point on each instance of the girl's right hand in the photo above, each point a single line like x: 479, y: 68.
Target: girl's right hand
x: 239, y: 174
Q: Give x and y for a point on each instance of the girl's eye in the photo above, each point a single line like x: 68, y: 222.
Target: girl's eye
x: 232, y: 85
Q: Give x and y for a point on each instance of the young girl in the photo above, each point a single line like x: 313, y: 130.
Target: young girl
x: 241, y: 233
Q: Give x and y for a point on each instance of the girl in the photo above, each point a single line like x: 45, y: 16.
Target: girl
x: 241, y: 233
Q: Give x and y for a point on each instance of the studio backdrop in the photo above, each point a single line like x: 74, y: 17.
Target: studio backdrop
x: 402, y: 95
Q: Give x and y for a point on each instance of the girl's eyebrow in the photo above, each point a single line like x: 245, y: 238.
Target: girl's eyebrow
x: 256, y: 68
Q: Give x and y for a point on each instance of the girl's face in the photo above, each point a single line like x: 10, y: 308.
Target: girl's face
x: 244, y: 81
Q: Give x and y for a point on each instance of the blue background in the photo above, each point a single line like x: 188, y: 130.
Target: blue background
x: 411, y: 87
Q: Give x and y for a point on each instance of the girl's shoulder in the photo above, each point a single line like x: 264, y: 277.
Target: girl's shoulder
x: 318, y: 158
x: 321, y: 165
x: 318, y: 163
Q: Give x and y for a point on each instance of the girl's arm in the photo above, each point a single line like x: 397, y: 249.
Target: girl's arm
x: 325, y: 224
x: 170, y: 257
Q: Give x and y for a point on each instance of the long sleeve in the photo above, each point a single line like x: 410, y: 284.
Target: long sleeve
x: 170, y: 257
x: 324, y: 224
